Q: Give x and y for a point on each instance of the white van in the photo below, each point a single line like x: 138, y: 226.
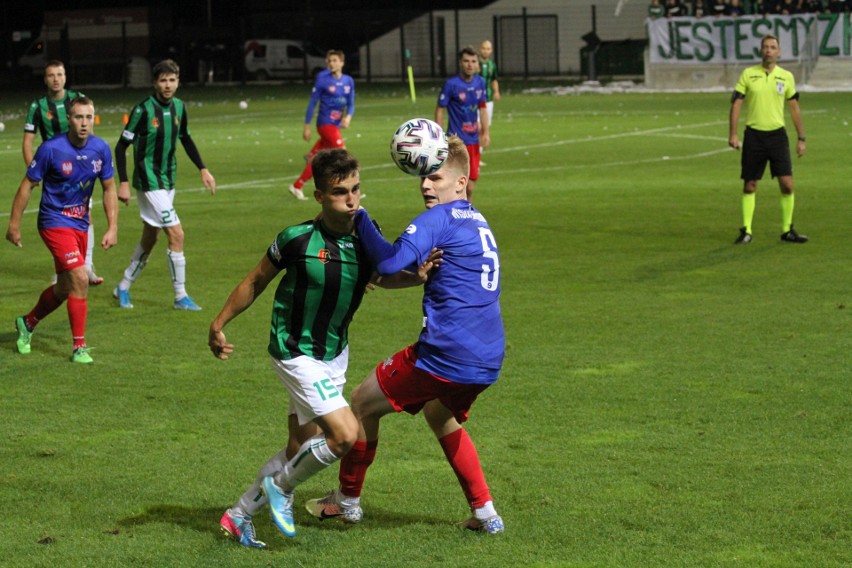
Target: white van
x: 282, y: 58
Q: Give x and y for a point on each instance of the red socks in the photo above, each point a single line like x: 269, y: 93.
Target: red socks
x: 353, y: 467
x: 77, y: 309
x: 47, y: 303
x: 462, y: 455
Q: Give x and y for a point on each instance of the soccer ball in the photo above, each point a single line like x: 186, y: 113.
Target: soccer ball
x: 419, y: 147
x: 2, y: 127
x: 243, y: 105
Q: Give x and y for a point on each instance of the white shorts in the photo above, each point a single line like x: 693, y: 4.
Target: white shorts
x: 156, y: 207
x: 315, y: 387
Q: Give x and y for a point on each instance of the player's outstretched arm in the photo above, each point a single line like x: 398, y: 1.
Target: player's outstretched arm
x: 406, y: 279
x: 240, y: 299
x: 19, y: 204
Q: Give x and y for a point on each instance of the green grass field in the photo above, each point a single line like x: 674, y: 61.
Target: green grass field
x: 667, y: 400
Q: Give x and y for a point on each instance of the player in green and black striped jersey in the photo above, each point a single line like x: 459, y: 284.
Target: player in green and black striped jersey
x: 49, y: 116
x: 155, y: 126
x: 326, y: 273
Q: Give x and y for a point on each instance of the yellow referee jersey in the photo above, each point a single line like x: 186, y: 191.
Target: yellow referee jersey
x: 765, y: 94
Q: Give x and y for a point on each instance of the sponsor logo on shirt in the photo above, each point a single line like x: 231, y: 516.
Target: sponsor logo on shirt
x: 411, y: 229
x: 74, y: 211
x: 67, y: 168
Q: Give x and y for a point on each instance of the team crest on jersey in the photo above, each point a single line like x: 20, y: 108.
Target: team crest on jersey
x: 462, y: 96
x: 67, y: 168
x: 332, y: 88
x: 324, y: 256
x: 96, y: 166
x: 49, y: 115
x: 155, y: 122
x: 779, y: 86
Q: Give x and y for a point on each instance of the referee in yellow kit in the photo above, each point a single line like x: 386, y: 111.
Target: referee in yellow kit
x: 767, y: 86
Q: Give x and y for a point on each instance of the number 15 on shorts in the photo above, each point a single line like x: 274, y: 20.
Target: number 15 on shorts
x: 326, y: 389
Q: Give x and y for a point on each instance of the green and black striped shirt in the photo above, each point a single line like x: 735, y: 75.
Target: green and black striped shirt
x: 324, y: 283
x: 49, y: 117
x: 154, y: 129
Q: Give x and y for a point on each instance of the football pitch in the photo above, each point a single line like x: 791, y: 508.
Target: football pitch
x: 668, y: 399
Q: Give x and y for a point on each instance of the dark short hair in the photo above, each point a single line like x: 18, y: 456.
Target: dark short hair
x: 330, y: 166
x: 81, y: 100
x: 767, y: 37
x: 165, y: 67
x: 467, y: 50
x: 53, y: 63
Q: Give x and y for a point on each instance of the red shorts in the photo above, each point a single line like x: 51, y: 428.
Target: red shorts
x: 473, y: 151
x: 409, y: 388
x: 330, y: 137
x: 68, y: 247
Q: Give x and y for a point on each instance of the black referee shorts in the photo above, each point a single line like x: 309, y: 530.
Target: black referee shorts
x: 759, y: 147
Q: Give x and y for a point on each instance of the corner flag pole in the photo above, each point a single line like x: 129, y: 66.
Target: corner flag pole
x: 410, y: 75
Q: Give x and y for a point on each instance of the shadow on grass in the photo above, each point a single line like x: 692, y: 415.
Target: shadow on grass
x: 205, y: 520
x: 379, y: 519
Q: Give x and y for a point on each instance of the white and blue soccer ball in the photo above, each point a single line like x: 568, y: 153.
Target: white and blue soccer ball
x: 419, y: 147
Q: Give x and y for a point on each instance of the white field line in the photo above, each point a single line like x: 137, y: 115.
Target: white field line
x: 669, y: 132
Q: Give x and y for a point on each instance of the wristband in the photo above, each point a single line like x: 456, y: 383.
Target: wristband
x: 801, y: 139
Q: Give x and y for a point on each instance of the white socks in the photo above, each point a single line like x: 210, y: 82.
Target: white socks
x: 312, y: 457
x: 177, y: 266
x: 138, y: 260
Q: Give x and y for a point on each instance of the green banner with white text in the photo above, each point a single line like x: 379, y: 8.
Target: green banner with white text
x: 737, y: 40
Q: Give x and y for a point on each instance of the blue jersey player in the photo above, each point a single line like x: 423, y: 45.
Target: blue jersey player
x: 464, y: 97
x: 335, y: 93
x: 67, y: 166
x: 460, y: 350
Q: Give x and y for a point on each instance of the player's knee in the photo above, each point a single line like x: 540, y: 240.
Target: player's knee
x: 341, y: 440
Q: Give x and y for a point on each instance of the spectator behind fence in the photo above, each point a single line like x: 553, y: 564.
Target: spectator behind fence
x: 656, y: 10
x: 719, y: 8
x: 839, y: 6
x: 698, y: 10
x: 735, y: 8
x: 675, y: 9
